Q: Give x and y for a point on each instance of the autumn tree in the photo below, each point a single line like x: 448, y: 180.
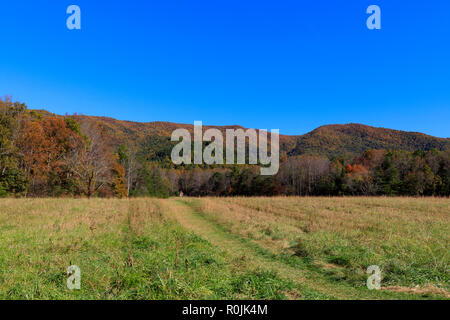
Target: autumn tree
x: 359, y: 180
x: 118, y: 183
x: 12, y: 179
x: 43, y: 146
x: 420, y: 180
x: 92, y: 161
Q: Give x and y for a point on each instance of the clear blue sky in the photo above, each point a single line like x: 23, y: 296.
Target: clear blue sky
x: 292, y: 65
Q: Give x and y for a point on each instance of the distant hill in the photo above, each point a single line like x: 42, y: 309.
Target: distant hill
x: 331, y: 140
x: 353, y: 138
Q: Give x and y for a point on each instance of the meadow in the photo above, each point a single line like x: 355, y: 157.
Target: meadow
x: 225, y: 248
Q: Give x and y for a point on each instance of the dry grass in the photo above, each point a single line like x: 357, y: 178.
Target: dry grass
x: 408, y: 237
x: 136, y: 249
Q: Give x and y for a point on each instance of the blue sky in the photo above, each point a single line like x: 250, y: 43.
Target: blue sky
x: 292, y: 65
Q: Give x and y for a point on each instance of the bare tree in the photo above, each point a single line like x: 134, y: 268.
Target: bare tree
x: 302, y: 174
x: 173, y: 178
x: 128, y: 159
x: 92, y: 162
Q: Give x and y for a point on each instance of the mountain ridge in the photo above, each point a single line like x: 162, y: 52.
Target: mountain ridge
x: 331, y: 140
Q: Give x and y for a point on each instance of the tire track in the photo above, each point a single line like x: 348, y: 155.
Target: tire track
x: 194, y: 221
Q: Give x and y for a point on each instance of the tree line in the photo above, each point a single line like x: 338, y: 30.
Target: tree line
x: 49, y: 156
x: 149, y: 171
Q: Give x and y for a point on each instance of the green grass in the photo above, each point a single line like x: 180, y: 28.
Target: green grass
x: 216, y: 249
x: 135, y: 254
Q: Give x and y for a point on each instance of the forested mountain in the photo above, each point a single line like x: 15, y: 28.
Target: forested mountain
x: 42, y: 154
x: 330, y: 140
x: 352, y: 139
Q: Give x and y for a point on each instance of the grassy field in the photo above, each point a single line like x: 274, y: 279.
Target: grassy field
x: 225, y: 248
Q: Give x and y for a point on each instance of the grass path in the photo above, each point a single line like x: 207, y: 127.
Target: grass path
x: 312, y: 285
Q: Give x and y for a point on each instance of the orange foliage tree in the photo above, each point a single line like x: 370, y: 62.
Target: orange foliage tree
x: 43, y: 145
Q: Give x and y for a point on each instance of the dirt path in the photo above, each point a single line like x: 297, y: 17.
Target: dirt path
x: 232, y: 244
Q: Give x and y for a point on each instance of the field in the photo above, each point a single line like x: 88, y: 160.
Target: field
x: 225, y: 248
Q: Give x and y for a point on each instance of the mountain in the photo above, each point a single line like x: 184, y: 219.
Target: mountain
x: 331, y: 140
x: 353, y: 138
